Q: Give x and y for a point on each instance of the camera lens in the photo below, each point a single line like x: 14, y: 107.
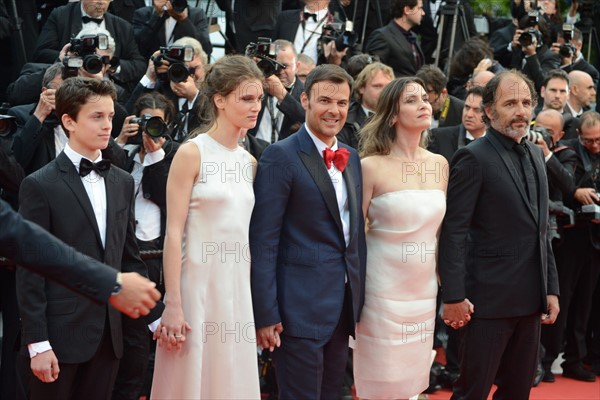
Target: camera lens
x: 178, y: 72
x: 155, y: 127
x: 93, y: 63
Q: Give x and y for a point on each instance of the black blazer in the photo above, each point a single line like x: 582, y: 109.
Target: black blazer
x: 499, y: 41
x: 33, y: 142
x: 561, y: 172
x: 65, y: 22
x: 392, y: 48
x: 20, y: 241
x: 537, y: 66
x: 154, y: 182
x: 350, y: 133
x: 125, y: 8
x: 583, y: 65
x: 54, y: 197
x: 149, y: 29
x: 293, y: 113
x: 453, y: 116
x: 493, y: 249
x: 252, y: 19
x: 445, y: 141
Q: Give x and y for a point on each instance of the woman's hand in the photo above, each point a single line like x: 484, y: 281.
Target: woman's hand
x: 128, y: 130
x: 173, y: 328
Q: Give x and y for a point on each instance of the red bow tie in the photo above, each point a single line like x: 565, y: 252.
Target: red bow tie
x: 339, y: 158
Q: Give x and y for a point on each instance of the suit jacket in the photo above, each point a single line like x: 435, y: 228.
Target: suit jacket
x: 583, y: 65
x: 499, y: 41
x: 561, y: 172
x: 299, y: 255
x: 453, y: 114
x: 54, y: 197
x: 252, y: 19
x: 65, y: 22
x: 355, y: 120
x: 394, y: 50
x: 494, y: 250
x: 149, y: 29
x: 125, y: 8
x: 33, y: 142
x: 21, y: 242
x: 293, y: 113
x: 537, y: 66
x: 154, y: 181
x: 445, y: 141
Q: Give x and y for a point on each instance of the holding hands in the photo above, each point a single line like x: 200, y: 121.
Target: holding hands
x: 268, y: 336
x: 173, y: 328
x: 458, y: 315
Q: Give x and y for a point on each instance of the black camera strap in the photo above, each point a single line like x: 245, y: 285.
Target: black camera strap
x: 312, y: 33
x: 275, y: 115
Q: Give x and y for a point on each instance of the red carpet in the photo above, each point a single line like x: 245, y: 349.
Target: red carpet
x: 562, y: 389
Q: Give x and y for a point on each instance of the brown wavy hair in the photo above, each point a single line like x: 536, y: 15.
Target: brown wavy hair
x: 378, y: 135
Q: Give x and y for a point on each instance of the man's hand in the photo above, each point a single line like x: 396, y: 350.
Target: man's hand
x: 531, y: 49
x: 64, y: 51
x: 573, y: 8
x: 46, y: 104
x: 268, y: 336
x: 275, y: 88
x: 541, y: 143
x: 515, y: 41
x: 150, y: 146
x: 457, y: 315
x: 553, y: 310
x: 128, y: 130
x: 332, y: 54
x: 159, y: 6
x: 45, y: 366
x: 137, y: 297
x: 483, y: 65
x: 186, y: 89
x: 586, y: 196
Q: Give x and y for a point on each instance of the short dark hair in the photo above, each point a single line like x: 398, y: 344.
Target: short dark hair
x: 397, y: 7
x: 434, y: 77
x: 556, y: 74
x: 327, y: 72
x: 490, y: 90
x: 475, y: 90
x: 77, y: 91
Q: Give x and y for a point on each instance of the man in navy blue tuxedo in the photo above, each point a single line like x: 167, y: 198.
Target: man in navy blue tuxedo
x: 307, y: 244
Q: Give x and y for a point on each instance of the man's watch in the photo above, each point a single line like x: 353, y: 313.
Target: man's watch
x: 118, y: 285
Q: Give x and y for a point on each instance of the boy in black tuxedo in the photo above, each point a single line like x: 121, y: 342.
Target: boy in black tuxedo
x: 75, y: 344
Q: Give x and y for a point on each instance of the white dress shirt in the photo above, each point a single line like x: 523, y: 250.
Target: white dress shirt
x: 309, y: 32
x: 96, y: 191
x: 147, y: 213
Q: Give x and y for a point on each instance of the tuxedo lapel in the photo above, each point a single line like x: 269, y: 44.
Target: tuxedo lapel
x: 502, y: 152
x: 316, y: 168
x: 72, y: 179
x: 75, y: 23
x: 352, y: 200
x: 402, y: 42
x: 540, y: 168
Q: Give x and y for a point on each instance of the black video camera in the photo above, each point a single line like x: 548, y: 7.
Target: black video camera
x: 154, y: 126
x: 84, y: 50
x: 567, y: 50
x: 266, y: 52
x: 177, y: 56
x: 540, y: 133
x: 340, y: 32
x: 526, y: 38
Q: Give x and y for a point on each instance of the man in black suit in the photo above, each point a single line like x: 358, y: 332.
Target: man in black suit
x: 496, y: 265
x: 247, y: 20
x: 579, y: 258
x: 281, y: 113
x: 87, y: 203
x: 367, y: 87
x: 154, y: 27
x: 447, y: 140
x: 64, y: 22
x: 395, y: 44
x: 581, y: 96
x: 125, y: 8
x: 577, y: 62
x: 447, y: 109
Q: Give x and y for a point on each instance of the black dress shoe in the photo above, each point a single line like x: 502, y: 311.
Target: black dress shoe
x: 579, y: 373
x: 548, y: 375
x: 539, y: 374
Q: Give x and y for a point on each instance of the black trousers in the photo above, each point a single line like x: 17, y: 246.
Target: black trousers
x: 502, y: 351
x: 10, y: 330
x: 578, y: 273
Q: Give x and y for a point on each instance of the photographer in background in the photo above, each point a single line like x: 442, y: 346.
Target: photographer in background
x: 177, y: 72
x: 568, y: 47
x: 150, y: 153
x: 281, y: 113
x: 534, y: 58
x: 165, y: 22
x: 447, y: 109
x: 580, y: 256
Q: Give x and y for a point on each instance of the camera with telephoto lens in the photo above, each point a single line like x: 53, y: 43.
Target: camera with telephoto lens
x: 540, y: 133
x: 266, y: 52
x: 341, y: 32
x: 84, y: 55
x: 526, y: 38
x: 179, y: 5
x: 153, y: 126
x: 567, y: 51
x: 177, y: 56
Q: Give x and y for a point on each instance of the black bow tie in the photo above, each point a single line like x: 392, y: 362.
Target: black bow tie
x: 308, y: 15
x: 85, y: 19
x: 101, y: 167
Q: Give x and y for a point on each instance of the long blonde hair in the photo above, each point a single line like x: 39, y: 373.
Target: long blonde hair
x: 378, y: 135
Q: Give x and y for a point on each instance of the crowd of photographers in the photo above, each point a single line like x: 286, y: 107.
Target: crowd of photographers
x: 156, y: 52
